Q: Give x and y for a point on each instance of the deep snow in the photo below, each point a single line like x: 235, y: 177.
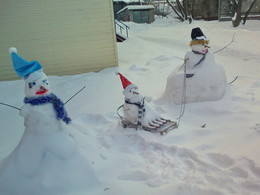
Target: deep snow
x: 220, y: 158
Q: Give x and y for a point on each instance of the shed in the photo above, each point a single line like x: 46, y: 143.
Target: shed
x: 137, y: 13
x: 118, y: 5
x: 66, y: 37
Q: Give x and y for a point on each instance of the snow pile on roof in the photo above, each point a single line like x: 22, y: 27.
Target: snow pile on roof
x: 136, y: 7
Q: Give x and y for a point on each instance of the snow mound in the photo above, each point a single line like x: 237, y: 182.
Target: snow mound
x: 46, y: 163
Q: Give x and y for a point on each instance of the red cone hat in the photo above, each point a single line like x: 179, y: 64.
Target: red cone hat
x: 125, y: 81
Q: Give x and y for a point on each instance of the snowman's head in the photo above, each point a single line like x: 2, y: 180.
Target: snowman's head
x: 131, y: 92
x: 36, y: 81
x: 37, y: 84
x: 202, y: 48
x: 199, y: 41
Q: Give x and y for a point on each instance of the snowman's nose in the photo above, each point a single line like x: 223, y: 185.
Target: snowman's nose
x: 43, y: 88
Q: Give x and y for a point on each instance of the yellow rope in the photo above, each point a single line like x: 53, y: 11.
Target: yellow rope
x: 196, y: 42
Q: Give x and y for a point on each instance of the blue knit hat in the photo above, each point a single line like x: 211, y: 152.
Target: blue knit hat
x: 21, y: 66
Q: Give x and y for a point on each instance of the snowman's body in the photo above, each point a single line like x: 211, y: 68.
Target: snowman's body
x: 40, y: 118
x: 131, y: 113
x: 151, y: 117
x: 197, y: 80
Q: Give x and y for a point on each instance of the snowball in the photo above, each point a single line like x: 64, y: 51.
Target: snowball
x: 12, y: 50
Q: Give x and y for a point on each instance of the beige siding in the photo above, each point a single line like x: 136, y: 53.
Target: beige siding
x: 65, y: 36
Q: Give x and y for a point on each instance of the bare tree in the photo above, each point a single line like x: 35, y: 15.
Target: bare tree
x: 238, y: 6
x: 181, y: 18
x: 183, y: 9
x: 187, y: 8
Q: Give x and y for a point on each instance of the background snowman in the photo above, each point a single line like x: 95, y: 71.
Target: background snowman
x: 200, y: 78
x: 137, y: 111
x: 47, y: 160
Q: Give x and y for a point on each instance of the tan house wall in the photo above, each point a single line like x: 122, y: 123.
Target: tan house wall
x: 65, y: 36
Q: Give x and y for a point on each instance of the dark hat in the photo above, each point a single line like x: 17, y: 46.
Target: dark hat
x: 197, y: 34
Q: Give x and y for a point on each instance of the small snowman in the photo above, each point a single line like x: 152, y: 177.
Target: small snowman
x: 47, y: 159
x: 200, y: 78
x: 136, y: 110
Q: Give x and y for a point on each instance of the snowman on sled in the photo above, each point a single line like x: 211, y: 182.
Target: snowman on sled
x: 138, y: 114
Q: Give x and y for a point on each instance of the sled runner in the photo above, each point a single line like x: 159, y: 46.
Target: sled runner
x: 165, y: 128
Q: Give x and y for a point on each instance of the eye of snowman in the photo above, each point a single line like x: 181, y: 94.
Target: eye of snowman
x: 134, y: 88
x: 45, y: 81
x: 31, y: 84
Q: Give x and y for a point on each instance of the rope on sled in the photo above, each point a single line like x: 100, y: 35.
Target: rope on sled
x: 183, y: 98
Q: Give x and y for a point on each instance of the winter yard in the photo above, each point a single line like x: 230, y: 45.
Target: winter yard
x: 221, y: 158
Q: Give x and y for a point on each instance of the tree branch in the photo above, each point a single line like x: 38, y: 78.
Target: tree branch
x: 235, y: 4
x: 248, y: 11
x: 176, y: 11
x: 180, y: 8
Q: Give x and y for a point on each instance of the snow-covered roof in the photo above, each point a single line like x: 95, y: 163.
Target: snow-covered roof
x: 136, y: 7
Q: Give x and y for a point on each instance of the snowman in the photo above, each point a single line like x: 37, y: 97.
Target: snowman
x: 136, y: 110
x: 47, y: 159
x: 200, y: 78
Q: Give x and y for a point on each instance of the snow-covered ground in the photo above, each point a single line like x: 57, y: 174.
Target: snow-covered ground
x: 222, y: 157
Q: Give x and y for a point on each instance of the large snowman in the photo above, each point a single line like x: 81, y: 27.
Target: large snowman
x: 47, y: 160
x: 136, y: 110
x: 200, y: 78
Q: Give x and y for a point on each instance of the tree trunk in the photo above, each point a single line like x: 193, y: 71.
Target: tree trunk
x: 192, y: 7
x: 187, y: 8
x: 237, y: 18
x: 248, y: 11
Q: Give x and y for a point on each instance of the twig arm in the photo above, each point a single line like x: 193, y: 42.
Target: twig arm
x: 227, y: 44
x: 10, y: 106
x: 75, y: 94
